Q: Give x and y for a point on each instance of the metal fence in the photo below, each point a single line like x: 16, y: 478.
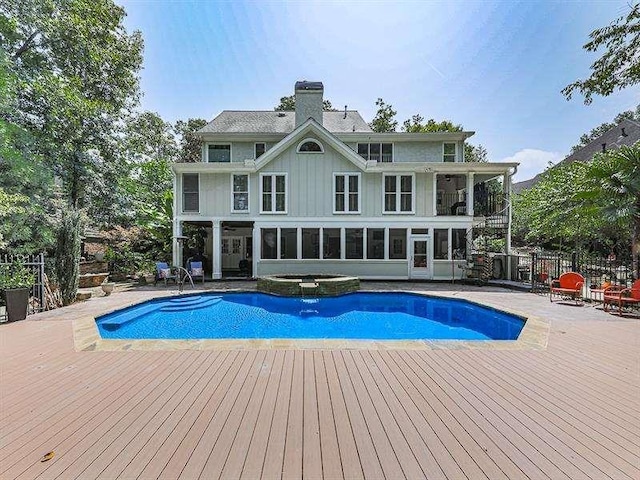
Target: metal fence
x: 36, y: 264
x: 540, y: 268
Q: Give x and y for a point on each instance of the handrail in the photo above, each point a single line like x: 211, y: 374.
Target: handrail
x: 180, y: 279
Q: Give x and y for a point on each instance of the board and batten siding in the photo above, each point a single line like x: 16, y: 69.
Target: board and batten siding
x: 309, y: 189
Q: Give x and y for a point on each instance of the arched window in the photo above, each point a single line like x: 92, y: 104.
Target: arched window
x: 309, y: 145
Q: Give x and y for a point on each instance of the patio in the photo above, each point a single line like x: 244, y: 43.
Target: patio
x: 570, y: 411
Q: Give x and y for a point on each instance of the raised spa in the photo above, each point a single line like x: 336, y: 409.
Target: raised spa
x: 373, y: 316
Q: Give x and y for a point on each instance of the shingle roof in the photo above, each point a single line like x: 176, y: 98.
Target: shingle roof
x: 232, y: 121
x: 613, y: 139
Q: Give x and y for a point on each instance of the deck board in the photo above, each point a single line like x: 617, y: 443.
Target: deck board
x: 570, y: 411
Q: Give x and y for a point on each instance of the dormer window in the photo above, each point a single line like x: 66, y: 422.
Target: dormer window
x: 310, y: 145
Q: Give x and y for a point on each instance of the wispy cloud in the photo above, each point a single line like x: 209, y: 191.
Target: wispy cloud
x: 532, y: 161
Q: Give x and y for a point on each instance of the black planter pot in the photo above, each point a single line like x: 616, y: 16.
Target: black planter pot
x: 17, y: 301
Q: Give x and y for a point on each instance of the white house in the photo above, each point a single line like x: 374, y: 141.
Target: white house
x: 313, y: 192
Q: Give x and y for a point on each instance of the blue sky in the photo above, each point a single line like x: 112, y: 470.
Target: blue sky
x: 495, y: 67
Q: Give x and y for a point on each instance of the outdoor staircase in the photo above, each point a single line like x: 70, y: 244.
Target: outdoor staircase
x: 483, y: 231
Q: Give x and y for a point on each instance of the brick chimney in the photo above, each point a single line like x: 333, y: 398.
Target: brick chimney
x: 309, y: 101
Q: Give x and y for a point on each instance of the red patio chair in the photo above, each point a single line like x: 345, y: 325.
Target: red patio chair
x: 568, y: 285
x: 622, y: 297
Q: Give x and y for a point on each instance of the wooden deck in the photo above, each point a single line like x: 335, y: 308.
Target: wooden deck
x: 568, y: 412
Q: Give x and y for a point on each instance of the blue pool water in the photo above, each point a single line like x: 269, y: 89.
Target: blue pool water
x: 373, y: 316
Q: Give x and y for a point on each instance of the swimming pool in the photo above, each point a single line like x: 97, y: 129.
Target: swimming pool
x: 364, y: 316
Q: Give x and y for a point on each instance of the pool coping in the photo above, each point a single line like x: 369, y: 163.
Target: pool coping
x: 534, y: 336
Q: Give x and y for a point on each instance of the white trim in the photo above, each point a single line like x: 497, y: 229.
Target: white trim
x: 346, y: 192
x: 398, y: 193
x: 233, y: 210
x: 219, y: 143
x: 455, y: 158
x: 273, y: 193
x: 312, y: 140
x: 255, y: 144
x: 182, y: 194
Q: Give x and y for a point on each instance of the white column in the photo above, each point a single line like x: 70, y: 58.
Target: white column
x: 216, y: 271
x: 343, y: 243
x: 470, y: 184
x: 435, y: 193
x: 299, y: 243
x: 255, y: 254
x: 386, y: 243
x: 178, y: 247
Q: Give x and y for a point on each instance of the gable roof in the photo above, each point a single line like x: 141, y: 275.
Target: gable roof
x: 311, y: 126
x: 267, y: 121
x: 612, y: 139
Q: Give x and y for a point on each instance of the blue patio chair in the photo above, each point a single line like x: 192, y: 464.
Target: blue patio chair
x: 196, y: 270
x: 164, y: 273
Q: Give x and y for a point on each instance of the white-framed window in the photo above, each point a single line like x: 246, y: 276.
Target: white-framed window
x: 379, y: 152
x: 449, y: 150
x: 273, y: 193
x: 346, y: 193
x: 240, y: 193
x: 258, y: 149
x: 190, y: 192
x: 310, y: 145
x: 218, y: 152
x: 398, y: 193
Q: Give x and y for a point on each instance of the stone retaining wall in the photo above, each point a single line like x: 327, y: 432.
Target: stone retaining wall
x: 290, y: 287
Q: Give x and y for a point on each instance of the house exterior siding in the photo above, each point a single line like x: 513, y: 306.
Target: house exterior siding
x: 402, y: 242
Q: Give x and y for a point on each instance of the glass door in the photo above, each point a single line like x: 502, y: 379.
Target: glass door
x: 419, y: 259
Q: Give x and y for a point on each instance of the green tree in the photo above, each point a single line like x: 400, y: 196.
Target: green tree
x: 288, y: 104
x: 415, y: 125
x: 190, y: 145
x: 385, y: 119
x: 612, y: 188
x: 149, y: 149
x: 25, y: 183
x: 77, y: 71
x: 550, y: 213
x: 67, y: 260
x: 619, y: 65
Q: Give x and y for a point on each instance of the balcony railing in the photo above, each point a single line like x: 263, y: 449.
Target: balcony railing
x: 450, y: 204
x: 489, y: 204
x: 484, y: 205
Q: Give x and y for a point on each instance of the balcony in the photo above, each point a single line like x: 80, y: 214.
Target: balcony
x: 485, y: 204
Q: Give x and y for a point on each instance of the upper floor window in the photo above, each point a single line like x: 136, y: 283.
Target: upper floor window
x: 449, y: 152
x: 219, y: 153
x: 240, y: 187
x: 379, y: 152
x: 259, y: 149
x: 346, y: 193
x: 398, y: 193
x: 273, y: 193
x: 190, y: 192
x: 310, y: 145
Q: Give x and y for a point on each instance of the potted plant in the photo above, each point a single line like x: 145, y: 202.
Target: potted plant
x: 15, y: 282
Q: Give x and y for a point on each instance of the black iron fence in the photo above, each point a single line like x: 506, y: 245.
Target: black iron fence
x: 539, y: 268
x: 35, y: 263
